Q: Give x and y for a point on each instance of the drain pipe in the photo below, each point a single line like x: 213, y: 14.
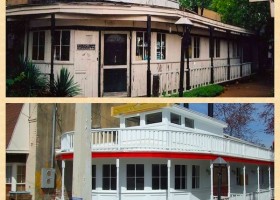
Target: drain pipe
x: 53, y: 133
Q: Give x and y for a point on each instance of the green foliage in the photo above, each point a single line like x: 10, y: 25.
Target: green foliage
x: 26, y: 80
x: 206, y: 91
x: 194, y: 4
x: 64, y: 85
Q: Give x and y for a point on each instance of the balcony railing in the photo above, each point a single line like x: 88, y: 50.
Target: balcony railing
x: 262, y: 195
x: 164, y: 140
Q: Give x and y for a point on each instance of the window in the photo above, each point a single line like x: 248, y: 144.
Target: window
x: 189, y: 123
x: 161, y: 46
x: 235, y: 49
x: 8, y: 178
x: 62, y: 45
x: 20, y: 178
x: 180, y: 177
x: 132, y: 121
x: 109, y: 177
x: 38, y: 46
x: 159, y: 177
x: 196, y: 47
x: 218, y: 43
x: 141, y: 46
x: 93, y: 179
x: 240, y: 177
x: 189, y: 49
x: 195, y: 176
x: 154, y: 118
x: 175, y: 119
x: 135, y: 177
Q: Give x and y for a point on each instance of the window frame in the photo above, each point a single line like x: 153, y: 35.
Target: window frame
x: 143, y: 47
x: 38, y: 45
x: 127, y: 118
x: 112, y: 179
x: 196, y: 47
x: 60, y: 45
x: 177, y: 115
x: 182, y: 177
x: 161, y: 46
x: 195, y: 176
x: 146, y: 115
x: 161, y: 178
x: 217, y: 48
x: 93, y: 177
x: 190, y: 120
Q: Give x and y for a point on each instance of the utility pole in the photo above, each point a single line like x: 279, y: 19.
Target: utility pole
x: 82, y: 153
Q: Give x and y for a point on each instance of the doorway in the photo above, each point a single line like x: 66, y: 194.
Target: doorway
x: 115, y: 62
x: 224, y: 185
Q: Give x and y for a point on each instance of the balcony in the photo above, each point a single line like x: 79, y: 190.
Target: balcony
x: 165, y: 140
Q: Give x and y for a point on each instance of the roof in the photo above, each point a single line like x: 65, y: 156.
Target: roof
x: 12, y: 114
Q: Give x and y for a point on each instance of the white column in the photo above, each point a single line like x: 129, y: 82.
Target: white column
x: 82, y: 162
x: 244, y: 182
x: 62, y: 181
x: 211, y: 178
x: 118, y: 177
x: 168, y: 178
x: 229, y: 180
x: 269, y: 178
x: 14, y: 176
x: 258, y: 169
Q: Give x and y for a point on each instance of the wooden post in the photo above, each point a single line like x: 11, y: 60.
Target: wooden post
x: 149, y: 56
x: 228, y: 54
x: 182, y: 62
x: 52, y: 51
x: 211, y: 43
x: 82, y: 165
x: 188, y: 41
x: 240, y: 55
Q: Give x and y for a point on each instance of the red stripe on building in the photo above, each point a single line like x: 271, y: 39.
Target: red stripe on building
x: 166, y: 155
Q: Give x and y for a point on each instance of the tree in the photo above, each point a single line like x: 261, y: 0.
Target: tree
x: 195, y: 4
x: 268, y: 116
x: 238, y: 116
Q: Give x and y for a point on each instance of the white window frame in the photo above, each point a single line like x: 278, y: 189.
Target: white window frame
x: 195, y: 176
x: 161, y: 46
x: 142, y: 47
x: 181, y: 177
x: 14, y: 182
x: 196, y: 47
x: 135, y: 177
x: 110, y: 177
x: 60, y: 46
x: 217, y: 47
x: 160, y: 176
x: 38, y: 45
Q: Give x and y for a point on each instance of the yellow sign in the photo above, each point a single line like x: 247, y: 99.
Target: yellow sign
x: 133, y: 108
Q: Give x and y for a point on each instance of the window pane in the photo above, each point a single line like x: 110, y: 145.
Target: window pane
x: 175, y: 119
x: 106, y: 184
x: 154, y: 118
x: 155, y: 183
x: 139, y: 45
x: 42, y: 38
x: 189, y: 123
x: 57, y: 37
x: 34, y: 52
x: 132, y: 121
x: 93, y: 170
x: 106, y: 170
x: 130, y: 183
x: 113, y: 171
x: 163, y: 170
x: 65, y: 39
x: 20, y: 174
x: 183, y: 183
x: 113, y: 183
x: 65, y: 52
x: 139, y: 170
x: 183, y: 170
x: 41, y: 52
x: 139, y: 183
x: 155, y: 170
x: 35, y: 38
x: 57, y: 52
x: 93, y: 182
x: 177, y: 183
x: 8, y: 174
x: 20, y: 187
x: 177, y: 170
x: 163, y: 183
x: 130, y: 171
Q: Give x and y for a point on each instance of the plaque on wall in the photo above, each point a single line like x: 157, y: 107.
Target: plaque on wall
x: 85, y: 46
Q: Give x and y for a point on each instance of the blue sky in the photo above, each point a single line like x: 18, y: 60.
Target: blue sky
x: 258, y: 126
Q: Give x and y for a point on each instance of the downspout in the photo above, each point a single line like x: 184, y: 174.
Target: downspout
x: 130, y: 63
x: 53, y: 134
x: 211, y: 43
x: 149, y: 56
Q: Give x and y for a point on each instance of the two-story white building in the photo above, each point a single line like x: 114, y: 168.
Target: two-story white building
x: 168, y: 152
x: 104, y: 44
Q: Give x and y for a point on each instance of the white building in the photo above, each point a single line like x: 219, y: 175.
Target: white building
x: 166, y: 152
x: 104, y: 44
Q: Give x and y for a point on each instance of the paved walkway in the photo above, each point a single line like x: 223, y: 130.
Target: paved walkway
x: 253, y: 87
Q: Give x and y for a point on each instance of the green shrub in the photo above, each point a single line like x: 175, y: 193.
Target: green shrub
x: 205, y: 91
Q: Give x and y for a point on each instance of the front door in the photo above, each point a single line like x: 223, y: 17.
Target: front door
x: 224, y: 185
x: 115, y: 62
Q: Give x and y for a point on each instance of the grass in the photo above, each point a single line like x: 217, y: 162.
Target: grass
x: 206, y: 91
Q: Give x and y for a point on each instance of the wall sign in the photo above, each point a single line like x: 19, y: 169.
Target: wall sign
x: 85, y: 46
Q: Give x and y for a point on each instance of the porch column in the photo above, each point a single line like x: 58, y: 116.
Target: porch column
x: 228, y: 54
x: 118, y: 177
x: 211, y: 178
x: 244, y: 182
x: 211, y: 45
x: 240, y: 55
x: 228, y: 180
x: 26, y: 39
x: 168, y: 178
x: 52, y: 50
x: 62, y: 181
x: 258, y: 169
x: 149, y: 56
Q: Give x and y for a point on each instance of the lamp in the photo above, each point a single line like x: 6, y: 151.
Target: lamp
x: 186, y: 24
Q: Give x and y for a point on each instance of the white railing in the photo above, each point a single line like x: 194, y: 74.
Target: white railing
x: 169, y: 75
x: 262, y: 195
x: 163, y: 140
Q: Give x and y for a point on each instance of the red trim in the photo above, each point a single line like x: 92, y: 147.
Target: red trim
x: 188, y: 156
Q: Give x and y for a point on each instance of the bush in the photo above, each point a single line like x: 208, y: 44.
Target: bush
x: 206, y: 91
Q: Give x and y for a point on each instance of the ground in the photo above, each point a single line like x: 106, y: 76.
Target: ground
x: 255, y: 86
